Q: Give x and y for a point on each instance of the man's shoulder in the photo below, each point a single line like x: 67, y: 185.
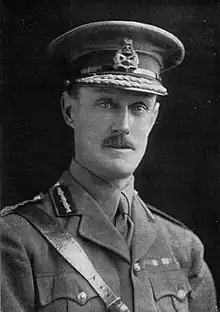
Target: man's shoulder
x: 16, y: 225
x: 158, y: 215
x: 181, y: 239
x: 168, y: 219
x: 7, y: 210
x: 174, y: 230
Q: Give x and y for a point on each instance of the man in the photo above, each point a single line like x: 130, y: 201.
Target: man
x: 146, y: 258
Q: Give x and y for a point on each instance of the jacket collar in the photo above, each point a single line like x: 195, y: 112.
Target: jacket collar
x: 105, y: 194
x: 94, y: 225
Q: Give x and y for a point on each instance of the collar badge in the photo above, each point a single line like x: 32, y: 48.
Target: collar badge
x: 63, y: 199
x: 126, y: 58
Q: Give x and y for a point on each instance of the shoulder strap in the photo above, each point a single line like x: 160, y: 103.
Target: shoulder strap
x: 166, y: 216
x: 151, y: 211
x: 10, y: 209
x: 71, y: 251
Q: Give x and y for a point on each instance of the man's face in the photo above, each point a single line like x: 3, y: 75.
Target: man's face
x: 111, y: 129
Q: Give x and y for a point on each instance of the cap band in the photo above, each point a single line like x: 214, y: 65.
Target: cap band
x: 124, y: 81
x: 140, y: 71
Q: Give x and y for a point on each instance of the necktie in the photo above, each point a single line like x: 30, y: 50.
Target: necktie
x: 122, y: 221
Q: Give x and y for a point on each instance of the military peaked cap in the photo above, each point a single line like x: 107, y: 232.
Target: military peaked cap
x: 122, y: 54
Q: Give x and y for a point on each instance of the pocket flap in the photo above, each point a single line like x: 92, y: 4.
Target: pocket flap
x: 170, y: 283
x: 68, y: 285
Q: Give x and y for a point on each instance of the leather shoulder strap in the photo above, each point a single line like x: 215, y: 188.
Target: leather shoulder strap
x: 67, y: 246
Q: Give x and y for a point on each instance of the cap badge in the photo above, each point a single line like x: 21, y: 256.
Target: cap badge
x: 126, y: 58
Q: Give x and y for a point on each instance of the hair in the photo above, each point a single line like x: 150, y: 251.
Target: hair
x: 73, y: 90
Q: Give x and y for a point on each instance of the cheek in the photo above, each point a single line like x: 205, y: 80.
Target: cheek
x: 140, y: 132
x: 90, y: 130
x: 142, y: 127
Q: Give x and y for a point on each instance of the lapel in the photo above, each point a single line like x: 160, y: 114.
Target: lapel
x: 149, y: 245
x: 94, y: 224
x: 102, y: 233
x: 144, y: 233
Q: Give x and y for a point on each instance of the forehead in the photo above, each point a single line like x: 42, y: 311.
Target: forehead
x: 115, y: 93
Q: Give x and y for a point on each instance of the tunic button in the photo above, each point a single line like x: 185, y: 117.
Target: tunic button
x: 82, y: 297
x: 181, y: 294
x: 137, y: 267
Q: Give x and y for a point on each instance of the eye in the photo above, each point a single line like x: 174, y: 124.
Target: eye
x: 106, y: 103
x: 139, y: 107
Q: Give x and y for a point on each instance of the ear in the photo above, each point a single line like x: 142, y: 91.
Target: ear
x: 68, y: 107
x: 154, y: 115
x: 155, y: 111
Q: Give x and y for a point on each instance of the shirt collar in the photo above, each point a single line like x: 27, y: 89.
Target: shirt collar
x: 106, y: 195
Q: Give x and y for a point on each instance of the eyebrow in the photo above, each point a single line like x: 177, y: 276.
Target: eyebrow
x: 107, y: 99
x: 108, y: 92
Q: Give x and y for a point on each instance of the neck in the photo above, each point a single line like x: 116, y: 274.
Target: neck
x: 120, y: 183
x: 115, y: 182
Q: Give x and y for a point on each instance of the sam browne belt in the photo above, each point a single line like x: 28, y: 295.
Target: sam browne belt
x: 67, y: 246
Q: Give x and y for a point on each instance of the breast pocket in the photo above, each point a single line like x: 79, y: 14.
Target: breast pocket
x: 66, y: 292
x: 171, y: 291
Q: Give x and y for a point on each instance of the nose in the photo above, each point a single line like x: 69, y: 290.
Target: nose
x: 122, y: 122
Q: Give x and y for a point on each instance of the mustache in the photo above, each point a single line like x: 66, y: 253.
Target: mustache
x: 119, y: 141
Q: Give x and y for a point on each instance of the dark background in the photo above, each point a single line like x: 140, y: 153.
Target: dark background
x: 180, y: 173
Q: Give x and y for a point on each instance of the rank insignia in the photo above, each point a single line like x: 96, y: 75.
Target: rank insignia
x: 156, y: 262
x: 126, y: 58
x: 63, y: 201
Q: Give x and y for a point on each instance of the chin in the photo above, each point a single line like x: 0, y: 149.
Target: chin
x: 117, y: 169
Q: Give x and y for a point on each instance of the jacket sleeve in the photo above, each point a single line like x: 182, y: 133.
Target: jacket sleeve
x: 16, y: 273
x: 203, y: 297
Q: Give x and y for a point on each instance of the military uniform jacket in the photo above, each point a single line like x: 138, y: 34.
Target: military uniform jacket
x: 163, y: 271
